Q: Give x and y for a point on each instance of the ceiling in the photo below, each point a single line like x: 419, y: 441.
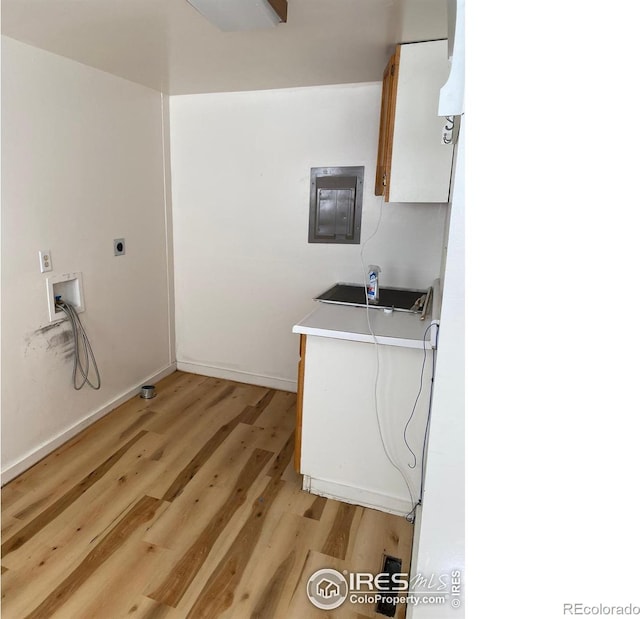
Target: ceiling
x: 167, y: 45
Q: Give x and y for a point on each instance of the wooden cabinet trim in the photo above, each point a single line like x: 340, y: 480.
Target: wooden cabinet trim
x: 387, y: 120
x: 280, y: 7
x: 297, y: 453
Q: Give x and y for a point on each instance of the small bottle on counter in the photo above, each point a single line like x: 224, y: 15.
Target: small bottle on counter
x: 373, y: 283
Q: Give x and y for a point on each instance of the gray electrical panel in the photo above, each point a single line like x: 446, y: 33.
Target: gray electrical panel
x: 335, y: 206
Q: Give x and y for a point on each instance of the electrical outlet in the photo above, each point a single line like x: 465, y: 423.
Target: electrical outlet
x: 118, y: 247
x: 45, y: 260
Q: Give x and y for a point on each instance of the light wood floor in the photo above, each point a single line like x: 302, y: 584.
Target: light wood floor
x: 186, y: 505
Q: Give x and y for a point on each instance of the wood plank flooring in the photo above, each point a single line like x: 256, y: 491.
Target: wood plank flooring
x: 183, y: 506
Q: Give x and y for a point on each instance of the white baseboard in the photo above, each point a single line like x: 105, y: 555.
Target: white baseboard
x: 21, y: 465
x: 239, y: 376
x: 356, y: 496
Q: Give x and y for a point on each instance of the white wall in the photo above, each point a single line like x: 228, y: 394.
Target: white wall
x: 422, y: 20
x: 439, y: 530
x: 82, y: 164
x: 244, y: 272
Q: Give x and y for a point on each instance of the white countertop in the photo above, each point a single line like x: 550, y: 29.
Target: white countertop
x: 344, y: 322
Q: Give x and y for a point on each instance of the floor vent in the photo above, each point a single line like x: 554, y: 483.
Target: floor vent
x: 392, y: 565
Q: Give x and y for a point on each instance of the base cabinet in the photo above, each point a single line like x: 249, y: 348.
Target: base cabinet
x: 342, y: 453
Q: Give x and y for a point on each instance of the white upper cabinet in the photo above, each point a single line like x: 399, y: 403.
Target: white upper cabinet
x: 413, y: 163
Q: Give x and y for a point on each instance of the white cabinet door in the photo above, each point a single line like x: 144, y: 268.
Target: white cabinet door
x: 420, y: 163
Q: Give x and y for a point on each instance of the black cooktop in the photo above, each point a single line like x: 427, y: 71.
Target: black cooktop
x: 354, y: 294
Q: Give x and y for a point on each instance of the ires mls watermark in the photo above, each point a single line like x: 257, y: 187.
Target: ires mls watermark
x: 328, y: 588
x: 600, y: 610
